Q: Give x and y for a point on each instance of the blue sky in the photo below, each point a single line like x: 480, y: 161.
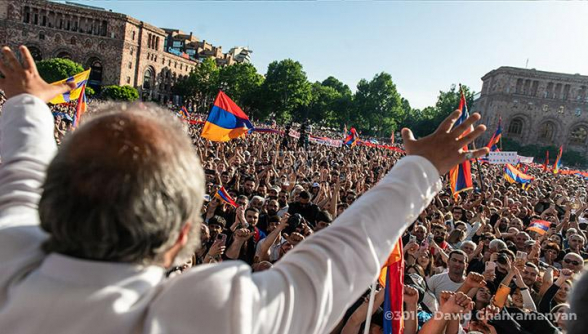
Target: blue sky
x: 425, y: 46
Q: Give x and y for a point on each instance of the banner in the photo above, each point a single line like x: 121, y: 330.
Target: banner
x: 501, y: 158
x: 525, y: 160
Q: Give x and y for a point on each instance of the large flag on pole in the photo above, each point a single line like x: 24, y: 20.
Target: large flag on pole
x: 80, y: 79
x: 557, y: 162
x: 225, y: 121
x: 492, y: 145
x: 392, y: 278
x: 546, y: 164
x: 460, y: 176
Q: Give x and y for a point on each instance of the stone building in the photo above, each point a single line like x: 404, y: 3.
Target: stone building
x: 119, y: 49
x: 537, y: 107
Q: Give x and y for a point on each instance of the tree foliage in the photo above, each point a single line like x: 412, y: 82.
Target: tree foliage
x: 56, y: 69
x: 378, y: 106
x: 118, y: 93
x: 286, y: 91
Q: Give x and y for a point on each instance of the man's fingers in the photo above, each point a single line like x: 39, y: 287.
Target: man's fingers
x: 470, y: 137
x: 407, y: 135
x: 447, y: 124
x: 27, y: 59
x: 10, y: 59
x: 465, y: 125
x: 475, y: 153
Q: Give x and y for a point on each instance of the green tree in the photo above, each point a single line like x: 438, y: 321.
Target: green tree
x: 242, y: 84
x: 342, y: 107
x: 201, y: 85
x: 90, y: 91
x: 118, y: 93
x: 378, y: 105
x: 323, y: 104
x: 56, y: 69
x: 286, y: 90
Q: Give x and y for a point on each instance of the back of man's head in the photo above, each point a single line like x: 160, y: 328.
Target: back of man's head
x: 122, y: 187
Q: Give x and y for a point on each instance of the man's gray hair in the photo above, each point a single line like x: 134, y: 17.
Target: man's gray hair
x: 498, y: 244
x: 122, y: 187
x: 259, y: 198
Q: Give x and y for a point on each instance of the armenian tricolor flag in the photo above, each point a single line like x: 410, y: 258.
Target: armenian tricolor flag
x: 460, y: 176
x: 392, y: 278
x: 80, y: 80
x: 352, y: 137
x: 557, y: 162
x: 539, y: 226
x: 492, y: 145
x: 513, y: 175
x: 184, y: 113
x: 225, y: 121
x: 224, y: 196
x: 81, y: 107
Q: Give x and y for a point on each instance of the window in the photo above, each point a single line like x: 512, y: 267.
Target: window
x: 579, y: 135
x: 547, y: 132
x: 148, y: 79
x: 128, y: 80
x: 35, y: 53
x: 36, y: 18
x: 130, y: 64
x: 41, y: 35
x: 134, y: 33
x: 27, y: 14
x: 516, y: 127
x: 131, y: 50
x: 73, y: 41
x: 44, y: 20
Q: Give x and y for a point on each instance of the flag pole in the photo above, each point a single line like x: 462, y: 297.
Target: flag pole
x: 368, y: 317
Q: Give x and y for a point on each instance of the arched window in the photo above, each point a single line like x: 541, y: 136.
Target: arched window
x: 73, y: 41
x: 148, y: 78
x: 515, y: 127
x: 64, y: 55
x: 36, y: 53
x: 547, y: 132
x: 578, y: 136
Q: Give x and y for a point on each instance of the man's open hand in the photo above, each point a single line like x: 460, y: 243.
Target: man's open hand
x: 24, y: 78
x: 443, y: 148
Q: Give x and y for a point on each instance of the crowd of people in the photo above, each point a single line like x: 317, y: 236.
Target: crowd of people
x: 471, y: 263
x: 476, y: 244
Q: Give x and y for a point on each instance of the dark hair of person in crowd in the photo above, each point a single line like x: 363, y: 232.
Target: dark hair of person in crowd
x: 218, y: 220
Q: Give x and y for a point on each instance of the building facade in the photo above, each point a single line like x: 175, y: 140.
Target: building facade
x: 119, y: 49
x: 536, y: 107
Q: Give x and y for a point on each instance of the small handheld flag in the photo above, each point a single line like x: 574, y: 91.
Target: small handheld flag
x: 546, y: 161
x: 392, y: 278
x: 539, y: 226
x: 224, y: 196
x: 513, y: 175
x: 226, y: 120
x: 352, y: 137
x: 184, y: 113
x: 81, y: 107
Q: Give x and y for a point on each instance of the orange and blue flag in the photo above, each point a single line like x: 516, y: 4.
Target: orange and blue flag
x: 460, y: 176
x: 546, y: 164
x: 492, y: 145
x: 184, y: 113
x: 557, y: 162
x: 539, y: 226
x: 224, y: 196
x: 392, y: 279
x: 226, y: 120
x: 352, y: 137
x: 513, y: 175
